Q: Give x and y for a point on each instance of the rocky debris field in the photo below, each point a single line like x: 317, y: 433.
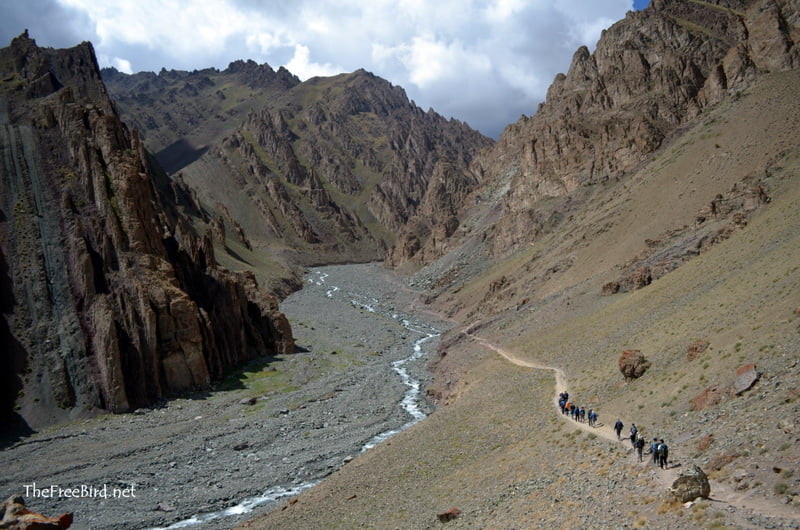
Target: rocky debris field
x: 280, y: 425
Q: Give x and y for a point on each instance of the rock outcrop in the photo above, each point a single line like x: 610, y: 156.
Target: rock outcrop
x: 334, y: 168
x: 113, y: 300
x: 696, y: 348
x: 726, y: 214
x: 650, y: 73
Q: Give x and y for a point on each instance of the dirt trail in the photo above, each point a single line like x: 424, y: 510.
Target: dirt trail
x: 605, y: 431
x: 720, y: 492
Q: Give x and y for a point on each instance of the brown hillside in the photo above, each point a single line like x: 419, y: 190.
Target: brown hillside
x: 522, y: 465
x: 698, y: 232
x: 291, y: 173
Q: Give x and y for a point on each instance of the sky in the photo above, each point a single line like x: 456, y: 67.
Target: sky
x: 484, y: 62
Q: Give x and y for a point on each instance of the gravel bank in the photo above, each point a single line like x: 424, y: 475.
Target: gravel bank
x: 277, y: 427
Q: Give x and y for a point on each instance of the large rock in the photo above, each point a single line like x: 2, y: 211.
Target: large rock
x: 633, y: 364
x: 690, y: 484
x: 746, y: 377
x: 15, y: 516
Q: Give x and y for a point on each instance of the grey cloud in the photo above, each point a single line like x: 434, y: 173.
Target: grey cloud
x: 47, y: 22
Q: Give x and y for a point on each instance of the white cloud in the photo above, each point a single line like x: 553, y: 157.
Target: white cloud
x: 122, y: 65
x: 301, y: 66
x: 263, y: 43
x: 482, y: 61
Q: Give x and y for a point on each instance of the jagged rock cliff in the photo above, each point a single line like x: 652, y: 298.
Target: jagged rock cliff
x: 331, y: 168
x: 651, y: 73
x: 110, y: 300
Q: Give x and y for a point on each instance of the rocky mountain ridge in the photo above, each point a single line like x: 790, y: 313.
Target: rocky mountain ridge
x: 111, y: 299
x: 687, y: 254
x: 327, y: 170
x: 650, y: 73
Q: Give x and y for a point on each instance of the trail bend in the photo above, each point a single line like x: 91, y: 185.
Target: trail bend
x: 603, y: 430
x: 720, y: 492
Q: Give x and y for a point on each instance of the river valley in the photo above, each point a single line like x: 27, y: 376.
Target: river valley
x: 280, y: 425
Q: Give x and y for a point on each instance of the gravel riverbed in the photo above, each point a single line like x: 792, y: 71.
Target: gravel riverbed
x: 213, y: 459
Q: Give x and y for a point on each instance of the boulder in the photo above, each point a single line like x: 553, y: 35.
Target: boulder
x: 449, y: 515
x: 746, y: 376
x: 633, y: 364
x: 690, y: 484
x: 15, y: 516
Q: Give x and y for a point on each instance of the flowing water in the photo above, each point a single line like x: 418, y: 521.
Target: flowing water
x: 411, y: 401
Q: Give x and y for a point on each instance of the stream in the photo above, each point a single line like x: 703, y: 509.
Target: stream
x: 370, y: 300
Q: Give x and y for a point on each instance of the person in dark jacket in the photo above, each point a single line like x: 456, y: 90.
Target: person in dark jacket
x: 663, y: 453
x: 618, y: 428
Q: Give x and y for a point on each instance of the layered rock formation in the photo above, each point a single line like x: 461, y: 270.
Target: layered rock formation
x: 110, y: 299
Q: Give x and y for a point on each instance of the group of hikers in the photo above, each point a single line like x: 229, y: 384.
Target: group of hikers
x: 658, y: 448
x: 573, y: 411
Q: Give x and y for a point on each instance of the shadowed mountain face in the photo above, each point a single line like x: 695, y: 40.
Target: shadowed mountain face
x: 327, y: 170
x: 110, y: 299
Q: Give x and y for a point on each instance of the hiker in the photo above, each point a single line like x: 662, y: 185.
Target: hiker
x: 639, y: 446
x: 654, y: 449
x: 663, y: 453
x: 561, y: 405
x: 634, y: 431
x: 583, y: 414
x: 618, y: 428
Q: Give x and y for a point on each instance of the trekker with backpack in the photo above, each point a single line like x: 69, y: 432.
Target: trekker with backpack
x: 618, y: 428
x: 639, y: 446
x: 654, y: 450
x: 663, y: 453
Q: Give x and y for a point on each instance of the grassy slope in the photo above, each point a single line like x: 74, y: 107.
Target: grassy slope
x: 501, y: 454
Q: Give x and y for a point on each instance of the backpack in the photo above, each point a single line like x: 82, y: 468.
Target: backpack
x: 663, y: 450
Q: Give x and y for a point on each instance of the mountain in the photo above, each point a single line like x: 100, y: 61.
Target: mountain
x: 649, y: 208
x: 111, y: 300
x: 322, y: 171
x: 650, y: 75
x: 651, y: 205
